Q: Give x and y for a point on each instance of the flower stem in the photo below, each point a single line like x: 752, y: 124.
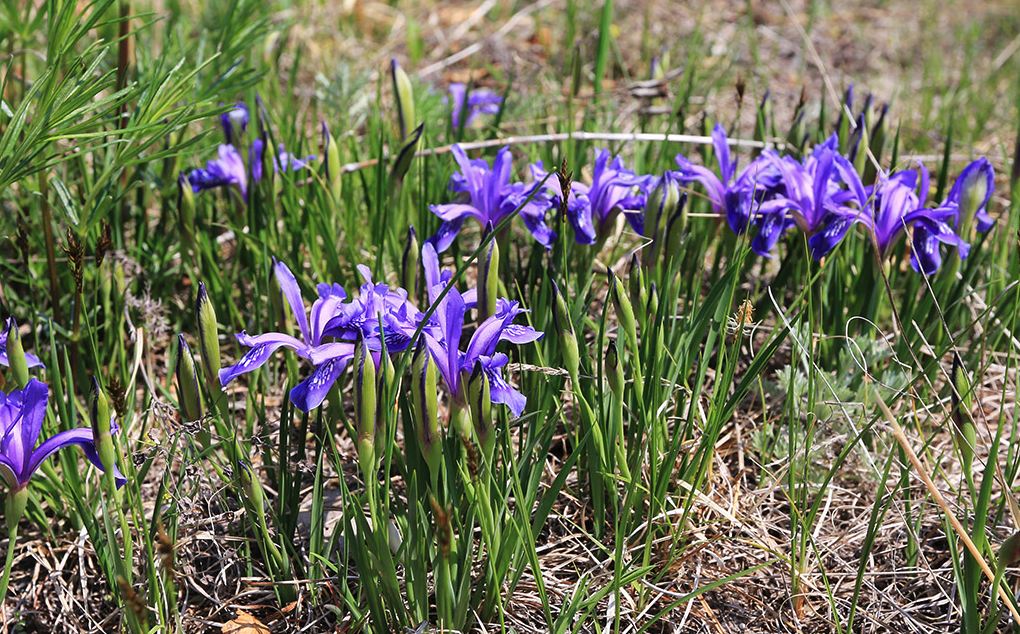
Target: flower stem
x: 17, y: 499
x: 12, y: 541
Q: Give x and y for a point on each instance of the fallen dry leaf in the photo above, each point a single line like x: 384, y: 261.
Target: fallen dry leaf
x: 245, y: 624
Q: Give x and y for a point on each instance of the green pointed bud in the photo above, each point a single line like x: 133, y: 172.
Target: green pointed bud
x: 188, y: 394
x: 480, y: 401
x: 16, y: 355
x: 488, y: 277
x: 404, y: 96
x: 1009, y: 552
x: 565, y: 328
x: 624, y: 310
x: 877, y: 143
x: 409, y: 263
x: 763, y: 116
x: 653, y: 301
x: 365, y: 404
x: 575, y: 71
x: 251, y: 486
x: 614, y: 369
x: 675, y: 228
x: 102, y: 428
x: 636, y: 284
x: 332, y: 153
x: 861, y: 139
x: 963, y: 424
x: 425, y: 397
x: 208, y: 340
x: 186, y: 208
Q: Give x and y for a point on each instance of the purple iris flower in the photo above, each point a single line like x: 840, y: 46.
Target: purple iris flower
x: 972, y: 191
x: 224, y: 171
x: 486, y: 194
x: 895, y: 203
x: 480, y: 101
x: 33, y: 361
x: 329, y: 331
x: 21, y: 418
x: 376, y: 303
x: 310, y: 324
x: 443, y: 341
x: 815, y: 197
x: 288, y: 161
x: 737, y: 196
x: 235, y: 122
x: 614, y: 188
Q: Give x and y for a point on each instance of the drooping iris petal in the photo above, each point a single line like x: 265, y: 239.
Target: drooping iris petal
x: 262, y: 347
x: 83, y: 437
x: 310, y: 393
x: 500, y: 391
x: 925, y: 256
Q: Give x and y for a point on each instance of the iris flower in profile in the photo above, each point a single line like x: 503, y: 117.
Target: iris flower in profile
x: 21, y: 419
x: 739, y: 196
x: 486, y: 194
x: 282, y: 161
x: 479, y: 101
x: 235, y: 122
x: 895, y: 203
x: 33, y: 361
x: 311, y: 325
x: 224, y: 171
x: 614, y: 189
x: 444, y: 340
x: 971, y: 192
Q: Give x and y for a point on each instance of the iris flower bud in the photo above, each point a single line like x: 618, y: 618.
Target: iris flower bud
x: 662, y: 201
x: 488, y: 278
x: 624, y: 310
x: 208, y: 340
x: 972, y: 191
x: 102, y: 429
x: 404, y: 96
x: 188, y: 394
x: 653, y: 301
x: 480, y: 401
x: 614, y: 369
x: 365, y: 404
x: 409, y: 263
x: 186, y: 208
x: 251, y: 485
x: 425, y: 396
x: 568, y: 340
x: 636, y: 284
x: 16, y: 355
x: 675, y: 227
x: 332, y: 154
